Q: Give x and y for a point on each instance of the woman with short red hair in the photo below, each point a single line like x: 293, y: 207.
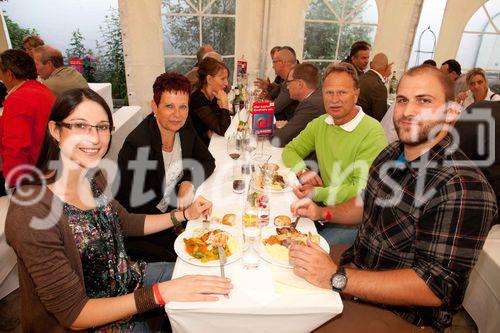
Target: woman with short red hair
x: 180, y: 162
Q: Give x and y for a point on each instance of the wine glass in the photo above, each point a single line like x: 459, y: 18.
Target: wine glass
x: 234, y: 149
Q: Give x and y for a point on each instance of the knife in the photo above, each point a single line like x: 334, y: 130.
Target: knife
x: 222, y: 262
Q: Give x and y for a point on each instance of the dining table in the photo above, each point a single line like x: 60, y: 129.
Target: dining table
x: 269, y: 298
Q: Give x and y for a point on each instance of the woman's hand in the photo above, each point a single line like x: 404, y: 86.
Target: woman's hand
x: 200, y: 206
x: 185, y: 195
x: 304, y: 191
x: 222, y: 99
x: 195, y: 288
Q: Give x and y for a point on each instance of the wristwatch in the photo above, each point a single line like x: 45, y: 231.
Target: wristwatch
x: 339, y: 279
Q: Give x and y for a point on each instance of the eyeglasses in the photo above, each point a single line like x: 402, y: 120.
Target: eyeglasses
x: 288, y: 82
x: 83, y: 128
x: 277, y: 60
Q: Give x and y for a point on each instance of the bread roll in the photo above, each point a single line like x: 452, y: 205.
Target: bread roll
x: 282, y: 221
x: 229, y: 219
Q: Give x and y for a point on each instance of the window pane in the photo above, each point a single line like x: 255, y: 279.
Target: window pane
x: 326, y: 33
x: 181, y: 34
x: 219, y: 32
x: 352, y: 33
x: 319, y: 11
x: 466, y: 54
x: 220, y: 7
x: 477, y: 21
x: 361, y: 11
x: 481, y: 50
x: 489, y: 49
x: 176, y: 6
x: 179, y: 65
x: 493, y: 7
x: 431, y: 17
x: 229, y: 62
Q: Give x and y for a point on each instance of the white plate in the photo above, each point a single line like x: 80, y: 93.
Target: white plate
x: 180, y: 248
x: 287, y: 188
x: 271, y: 230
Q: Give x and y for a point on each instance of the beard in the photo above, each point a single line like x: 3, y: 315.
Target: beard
x: 417, y: 135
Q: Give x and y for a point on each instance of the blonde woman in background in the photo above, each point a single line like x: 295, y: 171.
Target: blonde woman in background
x: 478, y: 88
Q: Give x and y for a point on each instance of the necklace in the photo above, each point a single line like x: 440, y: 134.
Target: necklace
x: 167, y: 148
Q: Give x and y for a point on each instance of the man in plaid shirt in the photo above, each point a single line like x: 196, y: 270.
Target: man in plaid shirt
x: 424, y: 217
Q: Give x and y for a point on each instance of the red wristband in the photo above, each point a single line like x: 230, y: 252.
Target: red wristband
x: 328, y: 214
x: 156, y: 289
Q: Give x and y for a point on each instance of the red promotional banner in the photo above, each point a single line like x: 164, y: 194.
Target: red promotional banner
x: 241, y: 66
x: 76, y: 63
x: 263, y: 117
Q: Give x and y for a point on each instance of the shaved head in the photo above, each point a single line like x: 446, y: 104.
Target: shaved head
x: 379, y: 61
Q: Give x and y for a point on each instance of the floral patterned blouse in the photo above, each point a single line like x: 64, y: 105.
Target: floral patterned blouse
x: 107, y: 270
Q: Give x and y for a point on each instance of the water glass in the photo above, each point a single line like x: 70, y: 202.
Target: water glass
x: 251, y: 240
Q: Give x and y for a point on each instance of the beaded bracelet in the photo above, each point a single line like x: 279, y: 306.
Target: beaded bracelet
x: 178, y: 228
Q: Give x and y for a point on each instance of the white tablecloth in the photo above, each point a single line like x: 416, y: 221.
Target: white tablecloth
x: 268, y: 299
x: 104, y: 90
x: 482, y: 298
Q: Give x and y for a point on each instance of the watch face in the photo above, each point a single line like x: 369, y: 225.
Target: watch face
x: 339, y: 281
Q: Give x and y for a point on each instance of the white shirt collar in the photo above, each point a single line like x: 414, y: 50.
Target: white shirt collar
x: 379, y: 75
x: 350, y: 125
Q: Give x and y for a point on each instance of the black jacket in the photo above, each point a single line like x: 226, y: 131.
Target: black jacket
x: 147, y: 134
x: 158, y: 246
x: 207, y: 115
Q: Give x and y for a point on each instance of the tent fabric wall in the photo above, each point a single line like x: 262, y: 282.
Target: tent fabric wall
x: 142, y: 35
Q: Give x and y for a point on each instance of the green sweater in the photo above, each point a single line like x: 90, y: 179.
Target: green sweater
x: 344, y: 157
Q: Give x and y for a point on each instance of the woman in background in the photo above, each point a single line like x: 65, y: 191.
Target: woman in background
x: 478, y: 88
x: 209, y: 106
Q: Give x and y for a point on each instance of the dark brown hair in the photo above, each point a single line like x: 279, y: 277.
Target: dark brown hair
x: 209, y: 66
x: 19, y: 63
x: 307, y: 72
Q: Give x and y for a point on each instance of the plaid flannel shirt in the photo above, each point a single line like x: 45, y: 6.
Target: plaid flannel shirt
x: 431, y: 215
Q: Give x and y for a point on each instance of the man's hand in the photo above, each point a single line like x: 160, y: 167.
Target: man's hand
x: 307, y: 208
x: 262, y: 83
x: 281, y: 123
x: 312, y: 263
x: 304, y: 191
x: 310, y: 177
x: 460, y: 98
x: 185, y: 195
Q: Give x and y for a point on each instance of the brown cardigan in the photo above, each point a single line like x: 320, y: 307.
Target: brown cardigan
x: 50, y: 271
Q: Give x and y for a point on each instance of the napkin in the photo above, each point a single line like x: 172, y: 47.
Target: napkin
x: 287, y: 283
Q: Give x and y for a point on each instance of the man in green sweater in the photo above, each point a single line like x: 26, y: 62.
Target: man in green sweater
x: 345, y: 140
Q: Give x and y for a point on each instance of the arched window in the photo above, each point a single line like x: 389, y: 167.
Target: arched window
x: 480, y: 45
x: 331, y: 26
x: 188, y: 24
